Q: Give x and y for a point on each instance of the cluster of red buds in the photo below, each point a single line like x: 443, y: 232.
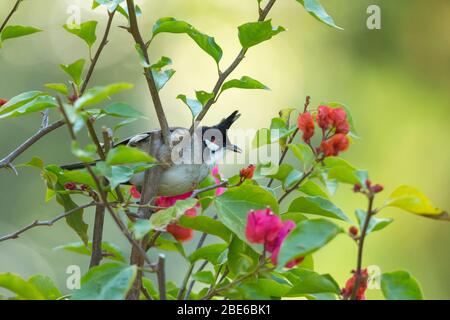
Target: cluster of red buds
x: 72, y: 186
x: 350, y: 284
x: 264, y: 227
x: 247, y: 173
x: 368, y: 188
x: 2, y: 102
x: 335, y: 128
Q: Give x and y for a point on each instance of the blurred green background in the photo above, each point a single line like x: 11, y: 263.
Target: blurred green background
x: 395, y: 80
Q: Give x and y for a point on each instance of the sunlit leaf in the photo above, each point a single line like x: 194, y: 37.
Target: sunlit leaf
x: 253, y: 33
x: 315, y: 9
x: 85, y: 31
x: 400, y: 285
x: 11, y: 32
x: 412, y: 200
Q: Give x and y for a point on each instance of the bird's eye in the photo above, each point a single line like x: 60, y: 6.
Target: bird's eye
x: 213, y: 138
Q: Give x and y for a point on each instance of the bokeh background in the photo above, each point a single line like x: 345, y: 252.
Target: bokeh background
x: 395, y: 80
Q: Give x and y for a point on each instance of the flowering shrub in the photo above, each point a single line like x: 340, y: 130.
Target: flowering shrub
x: 263, y: 225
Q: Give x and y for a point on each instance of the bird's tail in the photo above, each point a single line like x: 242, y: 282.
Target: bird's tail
x: 77, y: 166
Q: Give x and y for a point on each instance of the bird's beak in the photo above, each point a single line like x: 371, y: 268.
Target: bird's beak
x: 233, y: 148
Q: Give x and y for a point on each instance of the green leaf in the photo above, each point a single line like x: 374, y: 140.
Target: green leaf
x: 125, y: 155
x: 11, y: 32
x: 98, y: 94
x: 253, y: 33
x: 86, y: 154
x: 318, y: 206
x: 19, y: 100
x: 110, y: 4
x: 400, y: 285
x: 194, y: 105
x: 342, y: 171
x: 303, y: 153
x: 75, y: 71
x: 81, y: 176
x: 412, y: 200
x: 241, y: 258
x: 311, y: 188
x: 207, y: 225
x: 204, y: 277
x: 40, y: 102
x: 59, y: 87
x: 164, y: 217
x: 315, y: 9
x: 233, y: 207
x: 46, y: 286
x: 85, y: 31
x: 141, y: 228
x: 112, y: 250
x: 210, y: 253
x: 75, y: 219
x: 205, y: 42
x: 116, y: 175
x: 203, y: 97
x: 309, y: 282
x: 167, y: 242
x: 109, y: 281
x: 162, y: 76
x: 122, y: 110
x: 23, y: 289
x: 243, y: 83
x: 375, y: 223
x: 309, y: 236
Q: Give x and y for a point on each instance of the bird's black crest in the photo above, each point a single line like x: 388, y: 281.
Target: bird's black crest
x: 226, y: 123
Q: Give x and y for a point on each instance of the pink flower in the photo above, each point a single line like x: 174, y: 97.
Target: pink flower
x: 134, y: 192
x: 262, y: 226
x: 216, y: 175
x: 167, y: 202
x: 275, y: 246
x: 178, y: 232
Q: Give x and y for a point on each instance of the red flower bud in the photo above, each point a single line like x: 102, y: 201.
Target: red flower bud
x: 368, y: 183
x: 70, y: 186
x: 3, y: 101
x: 262, y: 226
x: 333, y: 146
x: 377, y: 188
x: 357, y: 187
x: 134, y: 192
x: 72, y: 98
x: 350, y: 284
x: 324, y: 119
x: 353, y: 231
x: 85, y: 187
x: 305, y: 124
x: 180, y: 233
x: 247, y: 173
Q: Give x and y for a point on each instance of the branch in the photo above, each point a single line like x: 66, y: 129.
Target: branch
x: 14, y: 9
x: 305, y: 176
x: 47, y: 223
x: 370, y: 213
x: 97, y: 236
x: 134, y: 30
x: 224, y: 75
x: 94, y: 61
x: 44, y: 130
x: 161, y: 274
x: 103, y: 196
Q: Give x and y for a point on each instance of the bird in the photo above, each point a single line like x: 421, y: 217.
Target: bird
x: 191, y: 158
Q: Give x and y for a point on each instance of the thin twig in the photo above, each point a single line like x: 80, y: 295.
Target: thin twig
x: 14, y: 9
x: 135, y: 32
x: 224, y: 75
x: 161, y: 274
x: 94, y: 61
x: 97, y: 236
x: 370, y: 212
x: 47, y: 223
x: 305, y: 176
